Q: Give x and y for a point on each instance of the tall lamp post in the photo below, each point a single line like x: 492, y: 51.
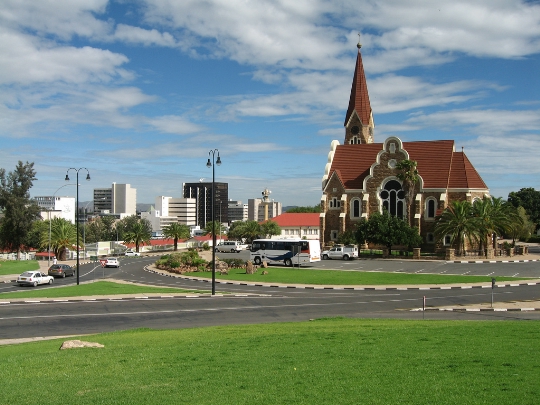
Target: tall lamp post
x: 77, y: 208
x: 49, y: 248
x: 212, y: 163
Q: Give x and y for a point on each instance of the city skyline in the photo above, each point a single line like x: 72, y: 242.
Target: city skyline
x: 139, y: 92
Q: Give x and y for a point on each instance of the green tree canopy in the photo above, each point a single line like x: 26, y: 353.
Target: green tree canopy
x: 306, y: 209
x: 139, y: 232
x: 208, y: 229
x: 529, y: 199
x: 19, y: 211
x: 176, y: 231
x: 245, y: 230
x: 457, y: 221
x: 63, y: 237
x: 387, y: 230
x: 408, y: 174
x: 270, y: 228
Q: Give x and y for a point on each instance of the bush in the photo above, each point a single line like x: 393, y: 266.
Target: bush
x: 189, y: 261
x: 234, y: 263
x: 534, y: 239
x: 206, y: 247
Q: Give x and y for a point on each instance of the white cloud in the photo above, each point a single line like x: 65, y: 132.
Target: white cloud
x: 136, y: 35
x: 171, y: 124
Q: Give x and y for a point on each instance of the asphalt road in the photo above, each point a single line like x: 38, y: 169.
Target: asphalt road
x: 262, y: 304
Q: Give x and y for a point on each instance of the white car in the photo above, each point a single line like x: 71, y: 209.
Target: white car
x: 132, y: 253
x: 230, y: 246
x: 34, y: 278
x: 112, y: 262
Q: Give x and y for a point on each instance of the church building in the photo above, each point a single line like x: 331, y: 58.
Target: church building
x: 360, y: 177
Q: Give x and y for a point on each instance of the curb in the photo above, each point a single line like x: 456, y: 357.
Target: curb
x: 476, y: 309
x: 492, y: 261
x: 462, y: 287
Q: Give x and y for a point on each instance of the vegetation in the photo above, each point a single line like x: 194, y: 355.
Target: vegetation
x: 234, y: 263
x: 522, y: 230
x: 176, y: 231
x: 185, y: 261
x: 63, y: 237
x: 137, y: 231
x: 19, y: 211
x: 306, y: 209
x: 91, y: 289
x: 250, y: 230
x: 325, y: 361
x: 408, y: 174
x: 288, y: 275
x: 347, y: 238
x: 387, y: 230
x: 528, y: 198
x: 210, y: 226
x: 17, y: 266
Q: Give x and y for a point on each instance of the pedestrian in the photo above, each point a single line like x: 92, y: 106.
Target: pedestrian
x: 54, y: 260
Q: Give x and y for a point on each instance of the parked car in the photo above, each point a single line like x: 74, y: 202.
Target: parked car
x: 232, y: 246
x: 132, y: 253
x: 34, y: 278
x: 61, y: 270
x: 341, y: 252
x: 112, y: 262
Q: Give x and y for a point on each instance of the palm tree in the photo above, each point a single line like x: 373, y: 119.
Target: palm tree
x: 176, y: 231
x: 409, y: 176
x: 139, y: 233
x: 458, y: 222
x: 63, y: 236
x: 493, y: 217
x: 208, y: 229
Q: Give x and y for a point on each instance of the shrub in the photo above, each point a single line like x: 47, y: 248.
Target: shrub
x: 206, y: 246
x: 234, y: 263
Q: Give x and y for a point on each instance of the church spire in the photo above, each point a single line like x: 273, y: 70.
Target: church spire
x: 361, y: 123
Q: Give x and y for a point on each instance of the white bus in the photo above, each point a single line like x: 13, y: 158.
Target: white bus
x: 287, y: 251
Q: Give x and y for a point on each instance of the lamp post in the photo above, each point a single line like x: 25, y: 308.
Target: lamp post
x: 77, y: 208
x: 49, y: 248
x: 212, y: 163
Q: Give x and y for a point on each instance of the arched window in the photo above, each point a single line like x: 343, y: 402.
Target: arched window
x: 431, y: 209
x: 393, y: 199
x: 356, y: 208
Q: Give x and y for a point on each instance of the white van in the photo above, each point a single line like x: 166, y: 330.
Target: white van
x: 232, y: 246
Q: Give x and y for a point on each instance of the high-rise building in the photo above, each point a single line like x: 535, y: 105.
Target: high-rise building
x: 256, y: 209
x: 120, y: 200
x: 170, y: 210
x: 202, y: 192
x: 237, y: 211
x: 57, y: 207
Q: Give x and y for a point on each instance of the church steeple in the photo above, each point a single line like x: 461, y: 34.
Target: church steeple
x: 359, y: 123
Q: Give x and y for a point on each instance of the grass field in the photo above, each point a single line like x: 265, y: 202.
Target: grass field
x: 336, y: 277
x: 90, y: 289
x: 327, y: 361
x: 17, y: 266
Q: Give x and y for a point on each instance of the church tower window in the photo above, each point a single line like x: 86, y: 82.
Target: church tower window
x: 356, y: 208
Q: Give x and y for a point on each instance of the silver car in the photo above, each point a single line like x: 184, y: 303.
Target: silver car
x: 34, y: 278
x: 61, y: 270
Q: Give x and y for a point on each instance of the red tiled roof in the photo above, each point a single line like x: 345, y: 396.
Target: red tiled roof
x: 437, y: 164
x: 297, y: 219
x: 359, y: 99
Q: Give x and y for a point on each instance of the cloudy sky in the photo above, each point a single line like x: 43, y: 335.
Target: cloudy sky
x: 139, y: 91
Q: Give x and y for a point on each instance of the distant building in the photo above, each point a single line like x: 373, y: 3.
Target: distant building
x: 256, y: 209
x: 237, y: 211
x: 57, y: 207
x: 202, y: 193
x: 170, y: 210
x: 119, y: 200
x: 298, y: 225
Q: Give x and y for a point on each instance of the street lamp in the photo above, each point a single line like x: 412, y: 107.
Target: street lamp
x: 212, y: 163
x: 77, y: 208
x: 49, y: 248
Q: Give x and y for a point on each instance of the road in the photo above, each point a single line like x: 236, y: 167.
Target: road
x: 252, y: 304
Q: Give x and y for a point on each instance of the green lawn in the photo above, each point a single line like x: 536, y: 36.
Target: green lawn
x: 97, y: 288
x: 327, y: 361
x: 337, y: 277
x: 17, y: 266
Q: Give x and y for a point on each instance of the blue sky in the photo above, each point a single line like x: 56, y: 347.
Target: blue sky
x: 138, y: 92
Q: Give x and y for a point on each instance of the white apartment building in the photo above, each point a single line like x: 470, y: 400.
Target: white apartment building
x: 256, y: 209
x: 120, y: 200
x: 169, y: 210
x: 57, y: 207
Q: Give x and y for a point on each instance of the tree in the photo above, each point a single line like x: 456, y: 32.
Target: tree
x: 346, y: 238
x: 247, y: 230
x: 408, y: 174
x: 492, y: 217
x: 33, y: 239
x: 176, y: 231
x: 308, y: 209
x: 208, y: 229
x: 458, y: 222
x: 387, y: 230
x: 63, y: 236
x: 19, y: 211
x: 139, y: 233
x: 521, y: 230
x: 269, y: 228
x: 529, y: 199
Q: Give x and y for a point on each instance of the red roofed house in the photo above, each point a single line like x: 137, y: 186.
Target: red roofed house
x: 360, y: 176
x: 298, y: 225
